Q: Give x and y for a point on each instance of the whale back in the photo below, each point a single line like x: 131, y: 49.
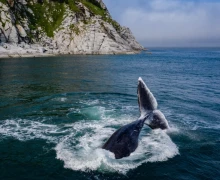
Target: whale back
x: 124, y: 141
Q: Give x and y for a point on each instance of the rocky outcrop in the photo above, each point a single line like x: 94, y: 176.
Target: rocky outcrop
x: 62, y: 27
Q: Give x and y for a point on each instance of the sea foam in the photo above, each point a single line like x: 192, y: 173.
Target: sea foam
x: 79, y: 144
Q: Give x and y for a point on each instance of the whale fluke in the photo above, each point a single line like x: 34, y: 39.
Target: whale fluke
x: 146, y: 99
x: 124, y: 141
x: 148, y: 107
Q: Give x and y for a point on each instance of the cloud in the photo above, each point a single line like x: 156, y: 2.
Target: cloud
x: 171, y: 22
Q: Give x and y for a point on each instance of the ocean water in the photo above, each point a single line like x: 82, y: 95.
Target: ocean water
x: 57, y: 112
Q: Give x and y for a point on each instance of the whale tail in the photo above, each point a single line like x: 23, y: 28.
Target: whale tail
x: 148, y: 107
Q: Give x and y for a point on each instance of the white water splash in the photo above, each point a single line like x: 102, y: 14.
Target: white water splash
x: 79, y: 144
x: 86, y: 154
x: 24, y: 130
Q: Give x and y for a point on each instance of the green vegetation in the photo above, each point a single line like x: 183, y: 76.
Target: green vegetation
x: 114, y: 24
x: 3, y: 24
x: 3, y: 1
x: 48, y: 16
x: 96, y: 3
x: 75, y: 29
x: 72, y: 5
x: 97, y: 10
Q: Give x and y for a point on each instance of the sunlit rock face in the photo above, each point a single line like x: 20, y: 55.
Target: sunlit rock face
x: 64, y: 27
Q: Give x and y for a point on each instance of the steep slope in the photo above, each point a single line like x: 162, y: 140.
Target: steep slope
x: 62, y: 27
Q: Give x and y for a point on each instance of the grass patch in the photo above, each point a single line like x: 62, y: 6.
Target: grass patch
x: 75, y: 29
x: 48, y: 16
x: 72, y: 5
x: 115, y: 24
x: 94, y: 8
x: 3, y: 1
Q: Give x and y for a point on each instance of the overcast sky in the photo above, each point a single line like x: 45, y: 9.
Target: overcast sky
x: 169, y: 22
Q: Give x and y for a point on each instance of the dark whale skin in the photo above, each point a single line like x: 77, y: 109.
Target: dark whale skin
x: 124, y: 141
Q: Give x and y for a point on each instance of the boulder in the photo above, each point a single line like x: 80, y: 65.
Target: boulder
x: 21, y: 30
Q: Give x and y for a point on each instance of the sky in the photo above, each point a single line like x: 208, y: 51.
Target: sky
x: 170, y: 23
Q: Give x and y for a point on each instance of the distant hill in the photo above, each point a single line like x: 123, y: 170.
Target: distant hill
x: 63, y: 27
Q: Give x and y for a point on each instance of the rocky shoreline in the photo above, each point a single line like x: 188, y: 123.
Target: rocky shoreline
x: 34, y: 50
x: 88, y: 29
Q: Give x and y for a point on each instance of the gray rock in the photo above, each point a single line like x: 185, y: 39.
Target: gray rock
x: 126, y: 34
x: 13, y: 36
x: 79, y: 33
x: 22, y: 2
x: 21, y: 30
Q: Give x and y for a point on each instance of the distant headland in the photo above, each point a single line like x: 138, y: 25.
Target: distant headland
x: 46, y: 27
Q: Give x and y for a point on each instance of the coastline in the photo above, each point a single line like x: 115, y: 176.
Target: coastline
x: 24, y: 55
x: 16, y: 55
x: 85, y: 33
x: 19, y: 52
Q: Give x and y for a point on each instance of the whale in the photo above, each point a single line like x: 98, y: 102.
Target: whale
x: 124, y: 141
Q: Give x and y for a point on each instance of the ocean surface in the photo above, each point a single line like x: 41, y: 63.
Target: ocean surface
x: 57, y: 112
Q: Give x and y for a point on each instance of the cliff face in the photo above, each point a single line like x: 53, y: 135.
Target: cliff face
x: 62, y: 27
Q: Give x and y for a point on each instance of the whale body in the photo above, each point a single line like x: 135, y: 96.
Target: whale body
x: 124, y: 141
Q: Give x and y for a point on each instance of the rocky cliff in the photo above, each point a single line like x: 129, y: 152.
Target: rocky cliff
x: 61, y: 27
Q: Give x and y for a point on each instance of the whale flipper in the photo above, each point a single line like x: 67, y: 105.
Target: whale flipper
x: 148, y: 107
